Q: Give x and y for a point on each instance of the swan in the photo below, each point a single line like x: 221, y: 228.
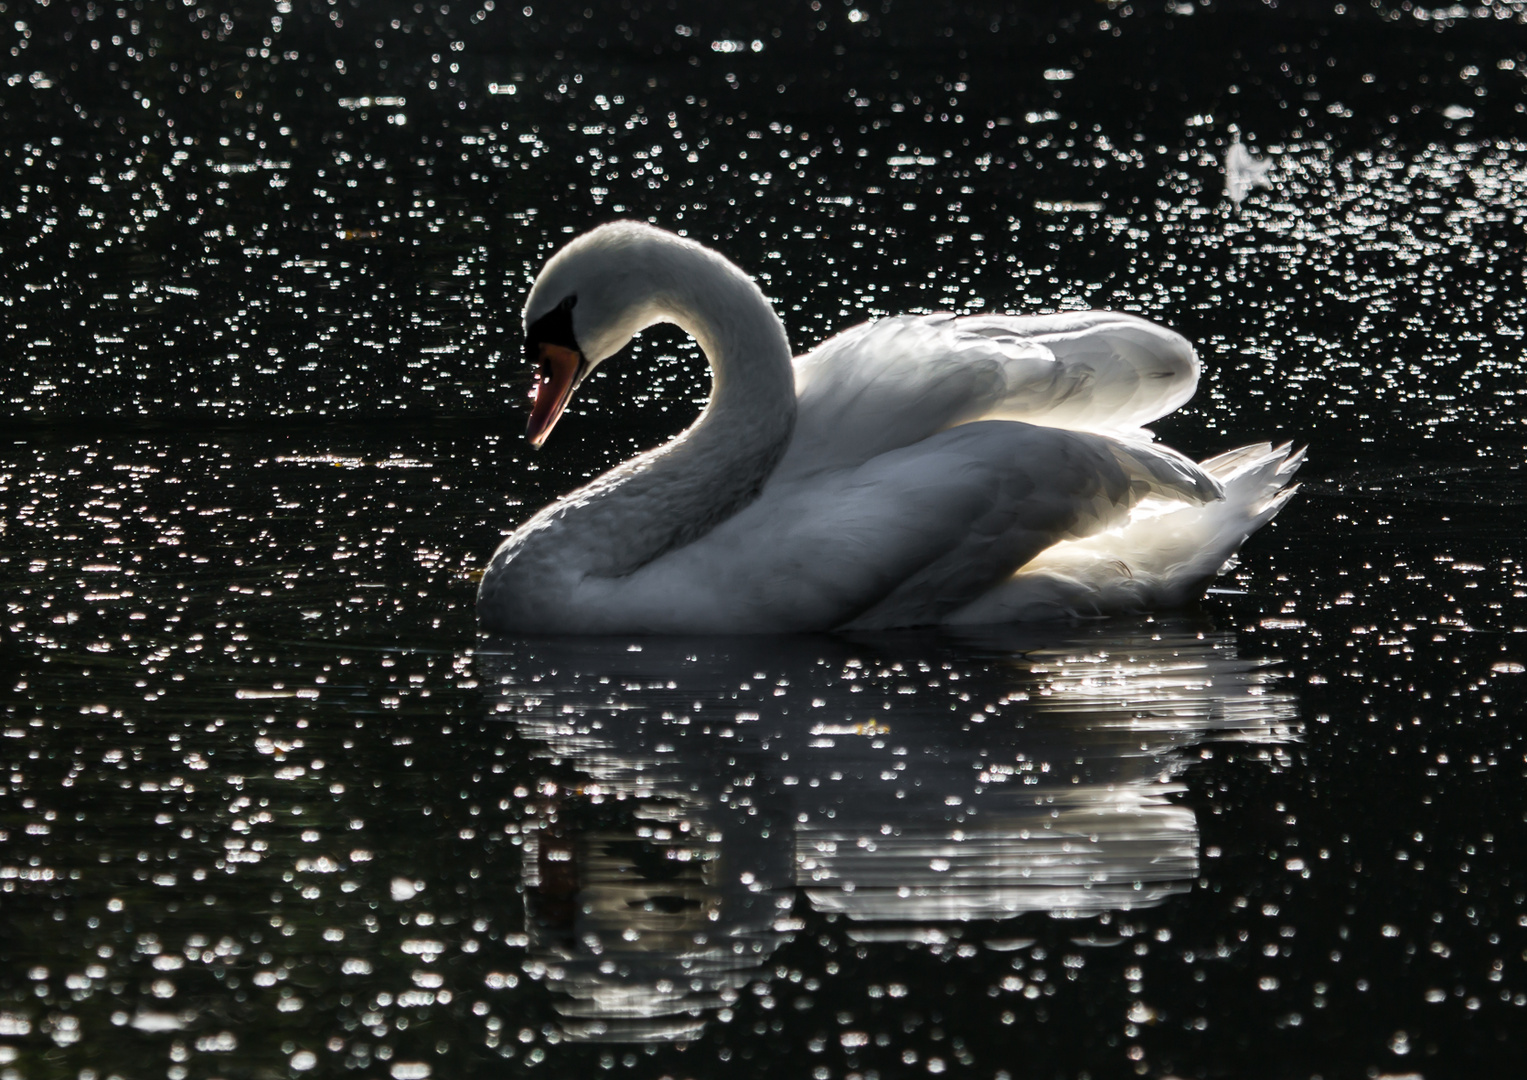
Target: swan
x: 909, y: 471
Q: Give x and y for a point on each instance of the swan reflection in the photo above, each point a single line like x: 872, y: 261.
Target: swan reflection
x: 700, y: 789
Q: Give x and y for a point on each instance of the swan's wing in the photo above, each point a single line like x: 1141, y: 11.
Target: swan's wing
x: 1111, y: 371
x: 894, y: 382
x: 1163, y: 555
x: 1066, y: 487
x: 908, y: 537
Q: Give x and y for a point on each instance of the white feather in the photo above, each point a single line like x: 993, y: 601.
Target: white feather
x: 910, y: 471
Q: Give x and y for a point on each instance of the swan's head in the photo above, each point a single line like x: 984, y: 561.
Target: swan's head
x: 587, y: 303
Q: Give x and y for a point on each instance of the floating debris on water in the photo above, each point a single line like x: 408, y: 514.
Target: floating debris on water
x: 1244, y: 172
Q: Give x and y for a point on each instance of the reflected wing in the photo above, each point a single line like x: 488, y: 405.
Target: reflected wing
x: 894, y: 382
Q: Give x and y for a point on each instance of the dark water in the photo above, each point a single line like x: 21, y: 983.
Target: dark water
x: 270, y: 807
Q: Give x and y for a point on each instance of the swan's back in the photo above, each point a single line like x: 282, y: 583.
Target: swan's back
x: 895, y: 382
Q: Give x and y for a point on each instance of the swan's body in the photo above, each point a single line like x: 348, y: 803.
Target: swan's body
x: 909, y: 471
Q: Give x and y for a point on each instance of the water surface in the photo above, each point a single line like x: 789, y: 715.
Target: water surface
x: 270, y: 806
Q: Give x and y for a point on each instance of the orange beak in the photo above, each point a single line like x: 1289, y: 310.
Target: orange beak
x: 559, y: 375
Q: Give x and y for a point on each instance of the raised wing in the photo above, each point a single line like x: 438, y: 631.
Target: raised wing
x: 897, y: 381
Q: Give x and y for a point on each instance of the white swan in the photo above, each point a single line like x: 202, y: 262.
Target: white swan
x: 909, y: 471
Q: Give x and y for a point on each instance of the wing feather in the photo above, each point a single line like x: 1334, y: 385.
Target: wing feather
x: 908, y: 537
x: 895, y: 382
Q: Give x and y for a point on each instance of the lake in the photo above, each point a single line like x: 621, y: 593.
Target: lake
x: 270, y: 806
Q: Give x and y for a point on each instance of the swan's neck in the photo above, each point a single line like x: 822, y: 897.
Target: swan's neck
x: 671, y: 496
x: 751, y: 411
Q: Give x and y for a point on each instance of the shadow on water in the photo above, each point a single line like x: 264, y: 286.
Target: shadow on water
x: 908, y: 783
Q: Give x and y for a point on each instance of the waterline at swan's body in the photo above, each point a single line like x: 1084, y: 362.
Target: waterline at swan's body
x: 909, y: 471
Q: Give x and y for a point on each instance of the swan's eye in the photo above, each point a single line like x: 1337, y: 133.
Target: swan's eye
x: 554, y: 328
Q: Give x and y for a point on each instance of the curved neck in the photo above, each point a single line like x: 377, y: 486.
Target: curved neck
x: 752, y: 401
x: 671, y: 496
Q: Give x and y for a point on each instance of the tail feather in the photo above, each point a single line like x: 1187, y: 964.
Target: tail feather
x: 1162, y: 556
